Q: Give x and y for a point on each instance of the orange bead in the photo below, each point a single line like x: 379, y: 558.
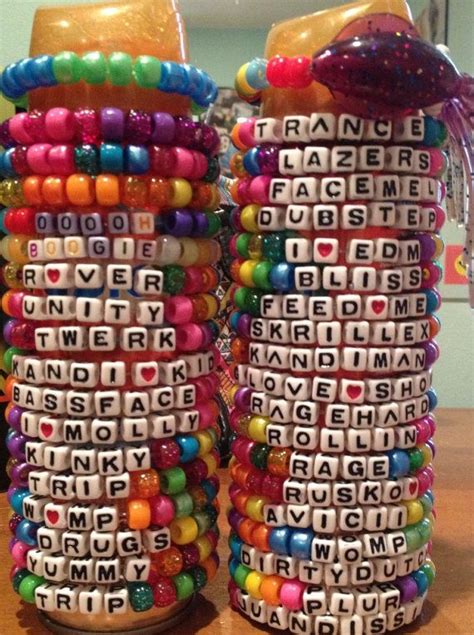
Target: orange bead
x: 235, y: 270
x: 236, y: 165
x: 8, y: 387
x: 240, y: 502
x: 168, y: 562
x: 261, y: 536
x: 80, y: 189
x: 138, y: 514
x: 107, y: 190
x: 270, y: 589
x: 278, y: 462
x: 246, y: 528
x: 159, y: 192
x: 144, y: 484
x: 234, y: 192
x: 240, y: 350
x: 210, y: 566
x: 134, y: 191
x: 234, y: 135
x: 54, y: 191
x: 32, y: 186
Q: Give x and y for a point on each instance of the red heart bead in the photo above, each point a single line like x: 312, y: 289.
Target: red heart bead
x: 413, y: 487
x: 53, y: 274
x: 325, y: 249
x: 148, y: 373
x: 353, y: 391
x: 378, y: 306
x: 52, y: 516
x: 46, y: 429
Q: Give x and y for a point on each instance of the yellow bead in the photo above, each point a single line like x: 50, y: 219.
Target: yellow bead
x: 246, y: 272
x: 241, y: 84
x: 255, y: 247
x: 414, y: 511
x: 189, y: 252
x: 248, y: 217
x: 427, y: 455
x: 184, y: 530
x: 205, y: 442
x: 182, y: 192
x: 257, y: 429
x: 18, y: 249
x: 210, y: 461
x: 204, y: 546
x: 439, y: 245
x: 253, y: 583
x: 254, y: 507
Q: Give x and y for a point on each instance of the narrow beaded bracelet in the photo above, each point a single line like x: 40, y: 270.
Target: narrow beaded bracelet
x: 46, y: 159
x: 119, y: 69
x: 108, y: 190
x: 109, y: 125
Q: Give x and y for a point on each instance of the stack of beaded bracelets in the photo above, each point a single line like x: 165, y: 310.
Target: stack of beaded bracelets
x: 335, y: 268
x: 111, y: 331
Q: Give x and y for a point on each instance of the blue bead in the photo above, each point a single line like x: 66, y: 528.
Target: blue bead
x: 432, y: 300
x: 430, y: 495
x: 234, y: 319
x: 432, y: 399
x: 432, y: 131
x: 16, y: 500
x: 399, y: 463
x: 279, y: 540
x: 196, y: 80
x: 210, y: 490
x: 88, y: 293
x: 6, y: 168
x: 235, y: 545
x: 41, y: 69
x: 233, y: 564
x: 421, y: 580
x: 300, y: 544
x: 3, y: 213
x: 137, y: 160
x: 256, y: 74
x: 9, y: 86
x: 22, y: 75
x: 111, y: 158
x: 282, y: 276
x: 173, y: 76
x: 26, y: 532
x: 250, y: 162
x: 188, y: 447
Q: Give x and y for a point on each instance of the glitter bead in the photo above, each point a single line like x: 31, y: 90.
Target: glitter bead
x: 19, y: 160
x: 195, y: 471
x: 140, y: 595
x: 14, y: 521
x: 268, y: 159
x: 138, y: 127
x: 87, y: 125
x: 6, y: 140
x: 199, y: 576
x: 168, y: 562
x: 279, y: 461
x: 86, y: 158
x: 144, y: 484
x: 18, y: 578
x: 164, y: 592
x: 165, y: 453
x: 174, y: 279
x: 187, y: 132
x: 190, y: 555
x: 259, y: 456
x: 210, y: 139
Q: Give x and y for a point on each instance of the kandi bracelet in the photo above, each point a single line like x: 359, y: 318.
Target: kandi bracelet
x: 120, y: 69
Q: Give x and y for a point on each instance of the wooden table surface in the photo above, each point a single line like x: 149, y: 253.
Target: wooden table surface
x: 449, y: 610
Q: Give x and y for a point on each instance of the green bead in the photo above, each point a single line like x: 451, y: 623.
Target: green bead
x: 67, y: 67
x: 416, y: 458
x: 197, y: 110
x: 259, y: 456
x: 147, y: 71
x: 199, y: 576
x: 212, y: 514
x: 28, y: 586
x: 412, y: 537
x: 184, y: 585
x: 203, y: 522
x: 429, y: 572
x: 253, y: 302
x: 174, y: 279
x: 213, y: 171
x: 241, y: 297
x: 443, y: 135
x: 120, y: 67
x: 214, y: 224
x: 273, y: 247
x: 240, y: 575
x: 94, y: 67
x: 8, y: 356
x: 425, y: 530
x: 261, y: 275
x: 173, y: 480
x: 242, y: 244
x: 183, y: 504
x: 427, y: 503
x: 18, y: 577
x: 140, y: 595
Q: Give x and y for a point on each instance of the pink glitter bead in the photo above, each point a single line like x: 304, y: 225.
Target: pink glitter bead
x: 87, y: 125
x: 165, y: 453
x: 138, y: 127
x: 196, y: 471
x: 164, y: 592
x: 190, y: 555
x: 20, y: 161
x: 14, y: 521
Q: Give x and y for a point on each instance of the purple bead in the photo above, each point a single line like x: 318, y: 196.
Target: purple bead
x: 20, y: 473
x: 268, y: 159
x: 427, y: 247
x: 6, y: 140
x: 178, y: 222
x: 12, y: 490
x: 16, y: 445
x: 200, y: 224
x: 187, y: 132
x: 407, y: 587
x: 11, y: 543
x: 242, y: 398
x: 234, y: 519
x: 431, y: 353
x: 138, y: 127
x: 210, y: 139
x: 432, y: 446
x: 112, y: 124
x: 243, y: 325
x: 7, y: 330
x: 164, y: 128
x: 14, y: 417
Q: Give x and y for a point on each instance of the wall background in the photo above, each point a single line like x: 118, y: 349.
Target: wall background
x: 221, y: 51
